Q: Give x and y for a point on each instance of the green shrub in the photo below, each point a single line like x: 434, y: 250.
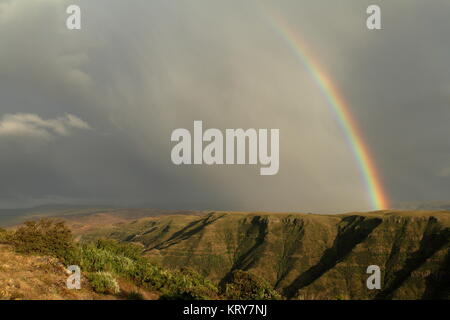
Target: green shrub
x: 103, y: 260
x: 126, y: 260
x: 125, y: 249
x: 45, y: 237
x: 3, y: 235
x: 103, y: 282
x: 186, y: 284
x: 243, y: 285
x: 134, y: 295
x: 95, y: 258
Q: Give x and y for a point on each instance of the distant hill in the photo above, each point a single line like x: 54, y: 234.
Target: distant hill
x: 9, y: 217
x: 424, y: 205
x: 102, y: 214
x: 304, y: 256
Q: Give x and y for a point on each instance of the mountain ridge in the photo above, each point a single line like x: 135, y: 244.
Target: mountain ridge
x: 304, y: 255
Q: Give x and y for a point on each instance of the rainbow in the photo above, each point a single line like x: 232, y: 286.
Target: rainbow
x: 340, y: 109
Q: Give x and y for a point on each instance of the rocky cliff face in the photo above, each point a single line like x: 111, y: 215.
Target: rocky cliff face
x: 306, y: 256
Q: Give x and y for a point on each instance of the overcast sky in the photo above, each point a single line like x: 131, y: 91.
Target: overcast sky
x: 86, y: 116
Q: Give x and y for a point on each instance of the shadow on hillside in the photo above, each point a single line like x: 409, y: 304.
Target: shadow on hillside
x: 433, y: 240
x: 293, y: 234
x: 188, y: 231
x: 249, y: 252
x: 438, y: 285
x: 355, y: 231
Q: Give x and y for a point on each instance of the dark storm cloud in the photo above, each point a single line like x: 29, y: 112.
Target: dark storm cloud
x: 400, y: 86
x: 136, y: 72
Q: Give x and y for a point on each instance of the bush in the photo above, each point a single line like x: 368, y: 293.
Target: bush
x: 124, y: 249
x: 243, y: 285
x: 135, y: 295
x: 103, y: 260
x: 186, y: 284
x: 45, y: 237
x: 103, y: 282
x: 3, y: 235
x: 126, y: 260
x: 96, y: 258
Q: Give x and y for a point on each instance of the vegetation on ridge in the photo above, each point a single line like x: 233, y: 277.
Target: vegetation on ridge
x: 305, y: 256
x: 105, y: 261
x: 253, y: 255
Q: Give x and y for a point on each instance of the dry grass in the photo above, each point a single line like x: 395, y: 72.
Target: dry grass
x: 37, y: 278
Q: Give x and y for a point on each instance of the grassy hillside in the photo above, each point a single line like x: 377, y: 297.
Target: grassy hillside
x: 35, y: 256
x: 304, y: 256
x: 37, y: 277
